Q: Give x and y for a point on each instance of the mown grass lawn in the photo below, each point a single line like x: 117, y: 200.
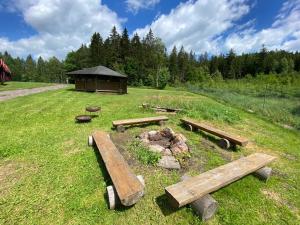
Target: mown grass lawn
x: 15, y: 85
x: 49, y: 175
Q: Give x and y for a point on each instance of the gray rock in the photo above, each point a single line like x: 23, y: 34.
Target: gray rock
x: 168, y: 133
x: 179, y: 147
x: 144, y: 135
x: 167, y: 151
x: 154, y: 135
x: 156, y: 148
x: 169, y: 162
x: 179, y: 138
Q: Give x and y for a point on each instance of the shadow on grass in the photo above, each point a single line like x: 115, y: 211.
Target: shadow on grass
x: 164, y: 205
x: 107, y: 180
x: 296, y: 111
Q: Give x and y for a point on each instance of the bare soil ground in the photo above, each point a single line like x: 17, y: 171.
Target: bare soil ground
x: 5, y: 95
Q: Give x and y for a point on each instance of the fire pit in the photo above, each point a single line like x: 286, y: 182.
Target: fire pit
x: 168, y: 144
x: 93, y: 109
x: 83, y: 118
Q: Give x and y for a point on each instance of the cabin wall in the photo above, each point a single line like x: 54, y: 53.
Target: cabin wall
x: 101, y: 84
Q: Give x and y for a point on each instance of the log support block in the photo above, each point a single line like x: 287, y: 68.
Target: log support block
x: 263, y: 173
x: 224, y: 143
x: 120, y: 128
x: 90, y: 141
x: 190, y: 127
x: 205, y: 207
x: 113, y: 199
x: 162, y: 123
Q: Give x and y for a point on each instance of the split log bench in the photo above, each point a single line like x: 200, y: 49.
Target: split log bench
x: 227, y: 139
x: 127, y: 187
x: 199, y: 187
x: 119, y: 124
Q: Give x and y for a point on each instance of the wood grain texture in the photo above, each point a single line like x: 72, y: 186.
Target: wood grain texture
x: 139, y: 120
x: 232, y: 138
x: 196, y: 187
x: 127, y: 185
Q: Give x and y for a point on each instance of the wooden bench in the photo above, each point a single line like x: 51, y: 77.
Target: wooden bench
x: 195, y: 188
x: 127, y: 186
x: 119, y: 124
x: 227, y: 139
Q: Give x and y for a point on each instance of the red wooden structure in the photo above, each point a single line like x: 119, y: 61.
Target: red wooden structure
x: 5, y: 74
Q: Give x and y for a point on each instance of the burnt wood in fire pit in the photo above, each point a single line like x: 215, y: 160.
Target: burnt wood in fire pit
x: 83, y: 118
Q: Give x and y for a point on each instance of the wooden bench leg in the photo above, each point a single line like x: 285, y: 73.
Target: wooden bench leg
x: 90, y: 141
x: 263, y: 173
x: 120, y: 128
x: 205, y: 207
x: 190, y: 127
x: 224, y: 143
x: 113, y: 199
x: 162, y: 123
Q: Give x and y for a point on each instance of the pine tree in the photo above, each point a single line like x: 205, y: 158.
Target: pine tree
x: 124, y: 45
x: 96, y: 48
x: 173, y: 65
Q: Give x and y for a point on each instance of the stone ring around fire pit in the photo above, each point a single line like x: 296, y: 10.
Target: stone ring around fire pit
x: 167, y: 143
x: 83, y: 119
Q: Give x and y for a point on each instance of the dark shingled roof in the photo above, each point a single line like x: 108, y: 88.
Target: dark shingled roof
x: 97, y: 70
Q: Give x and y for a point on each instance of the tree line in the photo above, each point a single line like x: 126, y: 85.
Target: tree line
x: 147, y: 63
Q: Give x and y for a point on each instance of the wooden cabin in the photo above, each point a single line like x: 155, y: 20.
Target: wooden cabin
x: 5, y: 74
x: 99, y: 78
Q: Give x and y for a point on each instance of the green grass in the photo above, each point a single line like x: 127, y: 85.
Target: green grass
x: 15, y: 85
x: 276, y: 102
x: 49, y: 175
x: 142, y: 153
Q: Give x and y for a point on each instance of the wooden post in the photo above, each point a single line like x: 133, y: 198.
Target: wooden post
x: 113, y: 199
x: 120, y: 128
x: 162, y: 123
x: 263, y: 173
x: 190, y: 127
x: 90, y: 141
x: 205, y: 207
x: 224, y: 143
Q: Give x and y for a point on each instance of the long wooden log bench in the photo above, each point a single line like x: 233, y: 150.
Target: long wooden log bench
x: 128, y: 187
x: 119, y: 124
x: 197, y: 187
x: 227, y: 139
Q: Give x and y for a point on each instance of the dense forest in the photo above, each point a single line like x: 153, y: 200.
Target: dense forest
x: 147, y: 63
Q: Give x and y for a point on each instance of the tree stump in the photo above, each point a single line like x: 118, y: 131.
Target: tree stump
x: 205, y: 207
x: 263, y: 173
x: 113, y: 199
x: 120, y: 128
x: 224, y: 143
x: 162, y: 123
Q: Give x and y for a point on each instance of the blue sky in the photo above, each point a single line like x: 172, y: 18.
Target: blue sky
x: 53, y: 28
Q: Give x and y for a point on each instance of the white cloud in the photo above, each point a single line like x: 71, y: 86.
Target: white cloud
x: 198, y: 25
x: 135, y: 5
x: 283, y: 34
x: 62, y: 25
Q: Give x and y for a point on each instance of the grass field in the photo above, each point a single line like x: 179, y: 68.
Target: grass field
x: 274, y: 100
x: 49, y: 175
x: 15, y: 85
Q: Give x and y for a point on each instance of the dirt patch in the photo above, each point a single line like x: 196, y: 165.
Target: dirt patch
x: 121, y: 140
x: 12, y: 172
x: 279, y: 200
x: 5, y: 95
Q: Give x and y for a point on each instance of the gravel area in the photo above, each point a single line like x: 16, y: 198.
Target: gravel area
x: 5, y: 95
